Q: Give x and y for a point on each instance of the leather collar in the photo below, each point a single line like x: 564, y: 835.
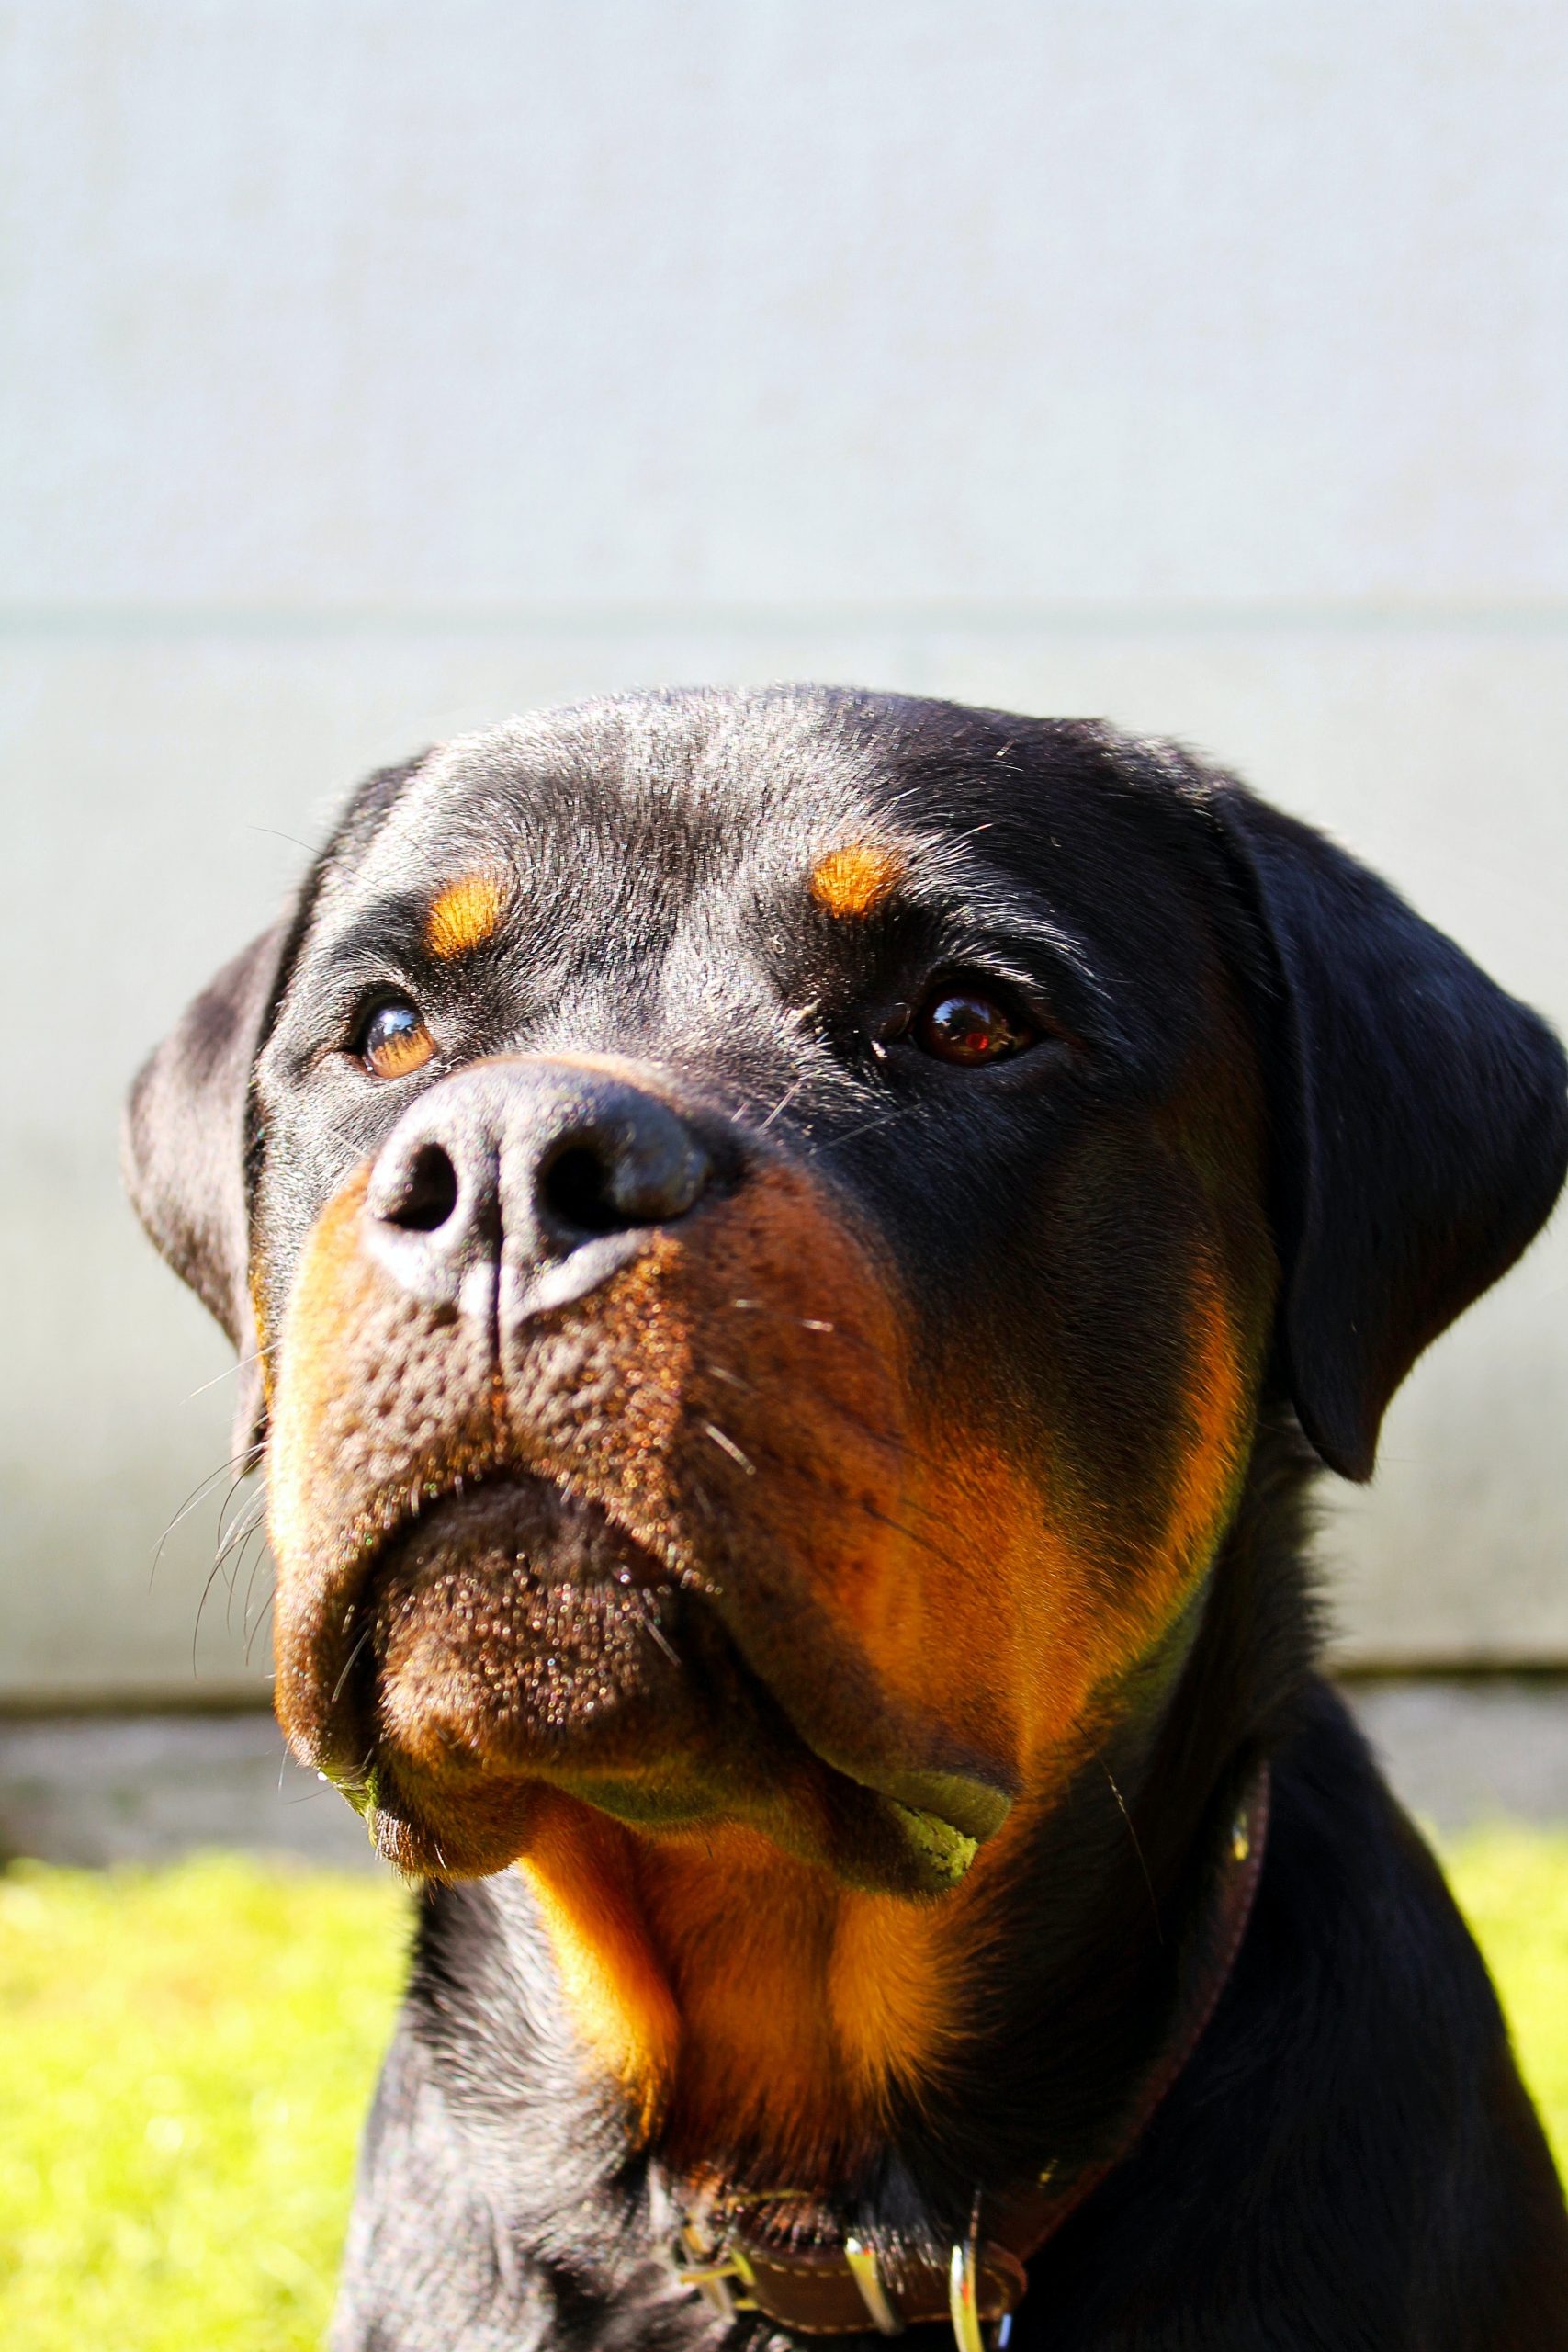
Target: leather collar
x: 854, y: 2286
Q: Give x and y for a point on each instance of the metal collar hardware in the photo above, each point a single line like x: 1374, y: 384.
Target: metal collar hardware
x: 867, y: 2274
x: 714, y: 2269
x: 964, y: 2287
x: 738, y: 2264
x: 725, y: 2278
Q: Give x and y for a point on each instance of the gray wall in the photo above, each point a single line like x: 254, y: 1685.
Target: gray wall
x: 375, y: 371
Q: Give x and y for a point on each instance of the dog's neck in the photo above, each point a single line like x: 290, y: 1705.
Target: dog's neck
x: 762, y: 2020
x: 774, y: 2030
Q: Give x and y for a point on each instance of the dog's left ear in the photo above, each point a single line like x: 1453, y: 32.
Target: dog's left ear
x: 1419, y: 1116
x: 184, y: 1143
x: 183, y: 1155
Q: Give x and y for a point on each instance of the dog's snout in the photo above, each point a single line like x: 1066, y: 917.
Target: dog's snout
x: 525, y: 1171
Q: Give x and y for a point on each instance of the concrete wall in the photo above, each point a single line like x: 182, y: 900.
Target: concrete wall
x: 373, y: 371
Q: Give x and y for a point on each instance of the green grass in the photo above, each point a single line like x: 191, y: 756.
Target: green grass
x: 186, y: 2055
x: 185, y: 2058
x: 1512, y: 1885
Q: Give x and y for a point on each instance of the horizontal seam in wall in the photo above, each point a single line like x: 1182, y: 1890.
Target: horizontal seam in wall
x: 1543, y: 1671
x: 19, y: 1707
x: 1529, y: 619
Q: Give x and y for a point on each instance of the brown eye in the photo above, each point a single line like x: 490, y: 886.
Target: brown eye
x: 395, y: 1040
x: 966, y: 1026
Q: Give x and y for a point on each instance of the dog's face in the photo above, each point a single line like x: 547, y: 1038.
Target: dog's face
x: 765, y: 1273
x: 768, y: 1218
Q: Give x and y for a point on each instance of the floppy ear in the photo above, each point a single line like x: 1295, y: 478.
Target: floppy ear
x: 183, y: 1153
x: 185, y: 1142
x: 1420, y: 1119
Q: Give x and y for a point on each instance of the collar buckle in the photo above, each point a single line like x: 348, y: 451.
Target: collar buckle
x: 713, y: 2266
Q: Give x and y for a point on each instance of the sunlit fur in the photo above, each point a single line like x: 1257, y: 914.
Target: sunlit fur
x: 464, y: 915
x: 946, y: 1448
x: 883, y: 1557
x: 854, y: 880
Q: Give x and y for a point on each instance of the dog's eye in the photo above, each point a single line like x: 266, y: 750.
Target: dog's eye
x: 969, y: 1027
x: 395, y: 1040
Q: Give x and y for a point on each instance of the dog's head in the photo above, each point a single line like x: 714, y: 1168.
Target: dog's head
x: 768, y: 1220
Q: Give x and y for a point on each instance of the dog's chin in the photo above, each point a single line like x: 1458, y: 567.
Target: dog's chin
x: 436, y: 1826
x: 519, y: 1642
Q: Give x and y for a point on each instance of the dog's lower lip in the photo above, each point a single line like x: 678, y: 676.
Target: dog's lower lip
x: 360, y: 1789
x: 329, y: 1672
x: 390, y: 1759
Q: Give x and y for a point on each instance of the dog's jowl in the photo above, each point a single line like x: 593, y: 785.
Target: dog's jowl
x: 797, y: 1255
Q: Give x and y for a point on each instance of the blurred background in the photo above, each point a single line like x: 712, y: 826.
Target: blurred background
x: 372, y: 371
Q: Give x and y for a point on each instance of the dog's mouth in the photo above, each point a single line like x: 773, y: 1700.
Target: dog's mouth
x: 513, y: 1639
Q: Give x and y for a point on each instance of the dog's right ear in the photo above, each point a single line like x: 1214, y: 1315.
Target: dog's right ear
x: 184, y: 1152
x: 1419, y: 1113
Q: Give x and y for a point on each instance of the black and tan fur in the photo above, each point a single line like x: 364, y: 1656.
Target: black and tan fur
x: 796, y: 1542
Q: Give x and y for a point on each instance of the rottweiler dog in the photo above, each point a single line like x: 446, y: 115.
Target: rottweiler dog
x: 796, y: 1254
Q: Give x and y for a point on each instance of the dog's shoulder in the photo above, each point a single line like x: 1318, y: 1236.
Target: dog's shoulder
x: 1352, y: 2119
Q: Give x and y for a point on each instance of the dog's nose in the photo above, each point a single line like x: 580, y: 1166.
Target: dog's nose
x: 537, y: 1176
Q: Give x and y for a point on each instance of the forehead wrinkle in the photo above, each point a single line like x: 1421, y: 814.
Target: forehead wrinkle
x: 343, y: 938
x: 976, y: 905
x: 717, y: 998
x: 480, y: 817
x: 580, y: 873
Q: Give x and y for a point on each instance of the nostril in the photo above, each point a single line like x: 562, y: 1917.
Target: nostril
x: 428, y: 1194
x: 578, y: 1189
x: 642, y: 1167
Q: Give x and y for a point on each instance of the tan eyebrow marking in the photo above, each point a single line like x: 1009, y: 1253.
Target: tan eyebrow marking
x: 857, y: 879
x: 464, y: 915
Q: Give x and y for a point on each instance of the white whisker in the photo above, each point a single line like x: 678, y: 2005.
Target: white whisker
x: 727, y: 1445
